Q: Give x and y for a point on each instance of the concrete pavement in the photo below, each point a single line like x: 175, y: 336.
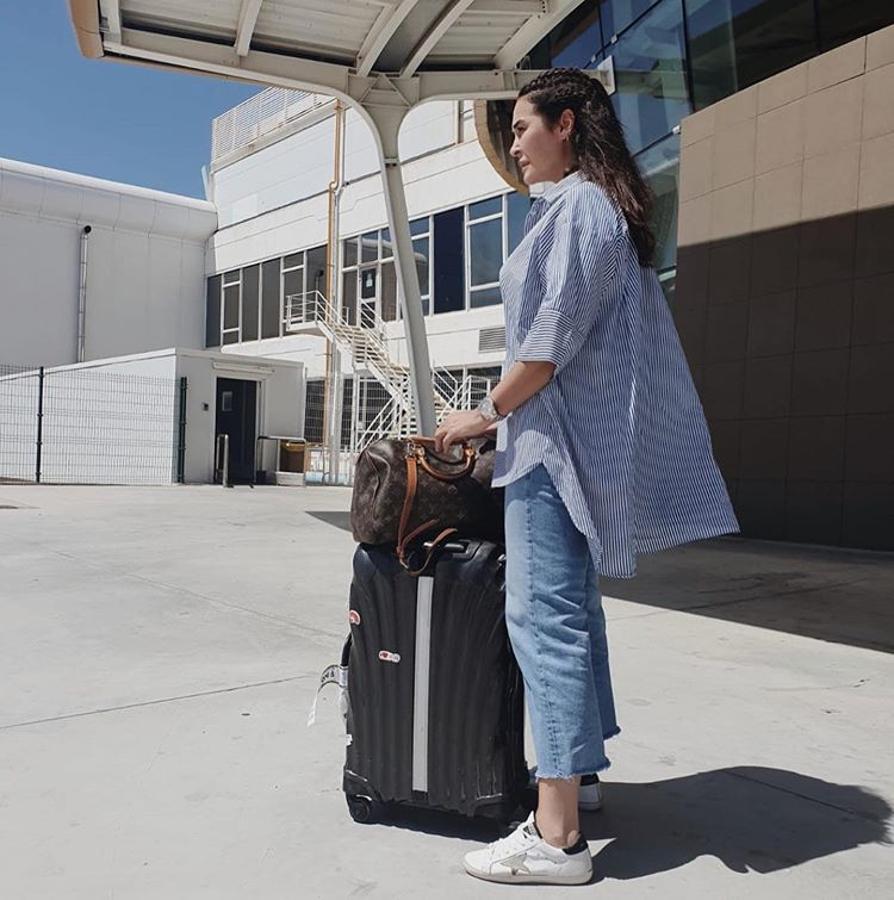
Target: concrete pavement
x: 159, y: 650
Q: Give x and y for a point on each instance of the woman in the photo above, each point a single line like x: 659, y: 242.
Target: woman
x: 604, y: 452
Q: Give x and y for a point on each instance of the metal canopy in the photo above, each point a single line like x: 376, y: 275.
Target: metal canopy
x: 381, y: 57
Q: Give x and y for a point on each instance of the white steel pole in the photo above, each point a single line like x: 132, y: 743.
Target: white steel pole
x: 385, y: 122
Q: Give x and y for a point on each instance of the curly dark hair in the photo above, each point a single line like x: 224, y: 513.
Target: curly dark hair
x: 598, y: 143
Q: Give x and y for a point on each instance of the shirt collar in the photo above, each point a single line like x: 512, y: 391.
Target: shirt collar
x: 558, y: 188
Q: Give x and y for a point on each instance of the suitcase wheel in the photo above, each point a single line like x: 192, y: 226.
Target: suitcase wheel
x: 362, y: 809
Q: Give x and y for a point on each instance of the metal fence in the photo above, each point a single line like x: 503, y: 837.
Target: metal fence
x: 370, y: 412
x: 90, y: 426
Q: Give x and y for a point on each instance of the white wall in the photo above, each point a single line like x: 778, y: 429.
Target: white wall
x: 301, y: 165
x: 87, y: 440
x: 145, y: 273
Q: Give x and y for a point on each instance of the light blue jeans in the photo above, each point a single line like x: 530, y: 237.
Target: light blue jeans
x: 557, y: 629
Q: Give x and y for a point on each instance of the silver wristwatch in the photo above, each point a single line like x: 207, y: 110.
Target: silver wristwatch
x: 488, y: 411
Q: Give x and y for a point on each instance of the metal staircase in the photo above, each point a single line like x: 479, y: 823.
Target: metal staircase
x: 312, y: 313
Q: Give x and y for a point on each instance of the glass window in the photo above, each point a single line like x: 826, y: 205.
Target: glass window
x: 486, y: 297
x: 649, y: 61
x: 270, y: 302
x: 389, y: 292
x: 230, y: 337
x: 369, y: 247
x: 841, y: 21
x: 421, y: 255
x: 212, y: 312
x: 231, y: 307
x: 316, y: 270
x: 660, y: 167
x: 387, y: 248
x: 578, y: 38
x: 231, y: 277
x: 485, y: 208
x: 485, y: 252
x: 368, y: 284
x: 350, y: 252
x: 449, y: 262
x: 517, y: 206
x: 618, y: 14
x: 419, y: 226
x: 736, y: 43
x: 293, y: 260
x: 292, y: 286
x: 250, y: 298
x: 349, y: 297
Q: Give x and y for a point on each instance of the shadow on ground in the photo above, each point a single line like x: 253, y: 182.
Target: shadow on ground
x: 835, y: 595
x: 336, y: 518
x: 753, y: 819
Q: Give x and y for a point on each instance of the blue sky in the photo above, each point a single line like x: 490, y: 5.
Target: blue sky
x: 116, y: 121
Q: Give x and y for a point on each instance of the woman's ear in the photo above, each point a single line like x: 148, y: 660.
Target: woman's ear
x: 566, y: 123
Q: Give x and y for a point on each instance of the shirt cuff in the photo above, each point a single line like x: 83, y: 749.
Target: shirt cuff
x: 549, y: 339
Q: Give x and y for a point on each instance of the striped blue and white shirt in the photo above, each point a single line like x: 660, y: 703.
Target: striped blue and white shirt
x: 620, y: 427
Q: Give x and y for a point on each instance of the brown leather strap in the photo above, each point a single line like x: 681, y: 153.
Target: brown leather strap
x: 415, y: 458
x: 446, y: 533
x: 409, y: 498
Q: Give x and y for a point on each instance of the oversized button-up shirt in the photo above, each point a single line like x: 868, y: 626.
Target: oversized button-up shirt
x: 620, y: 427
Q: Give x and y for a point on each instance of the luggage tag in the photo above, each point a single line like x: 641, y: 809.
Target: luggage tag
x: 337, y: 675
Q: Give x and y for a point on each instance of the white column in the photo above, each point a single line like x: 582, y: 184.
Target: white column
x: 385, y: 122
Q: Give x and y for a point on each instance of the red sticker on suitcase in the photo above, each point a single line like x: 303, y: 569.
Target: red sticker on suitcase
x: 354, y: 617
x: 388, y: 656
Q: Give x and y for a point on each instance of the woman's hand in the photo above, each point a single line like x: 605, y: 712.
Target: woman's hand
x: 459, y: 427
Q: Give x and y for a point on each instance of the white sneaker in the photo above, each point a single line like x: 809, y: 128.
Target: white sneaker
x: 589, y: 794
x: 525, y: 857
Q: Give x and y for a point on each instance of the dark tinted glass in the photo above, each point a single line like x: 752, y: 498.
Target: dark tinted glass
x: 660, y: 166
x: 212, y: 312
x: 292, y: 286
x: 449, y: 261
x: 736, y: 43
x: 487, y: 297
x: 486, y: 251
x: 579, y: 38
x: 485, y: 208
x: 649, y: 62
x: 421, y: 255
x: 389, y: 292
x: 369, y: 247
x: 517, y: 206
x: 618, y: 14
x: 270, y: 284
x: 316, y: 270
x: 231, y: 307
x: 419, y: 226
x: 841, y: 21
x: 349, y: 297
x: 250, y: 298
x: 350, y: 252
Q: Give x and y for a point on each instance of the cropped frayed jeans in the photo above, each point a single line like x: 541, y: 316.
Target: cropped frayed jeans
x: 557, y: 629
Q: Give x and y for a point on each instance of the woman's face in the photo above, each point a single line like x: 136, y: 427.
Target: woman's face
x: 543, y: 151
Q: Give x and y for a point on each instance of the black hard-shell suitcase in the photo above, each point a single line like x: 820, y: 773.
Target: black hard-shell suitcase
x: 435, y: 714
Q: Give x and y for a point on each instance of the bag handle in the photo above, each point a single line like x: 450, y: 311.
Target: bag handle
x: 421, y: 448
